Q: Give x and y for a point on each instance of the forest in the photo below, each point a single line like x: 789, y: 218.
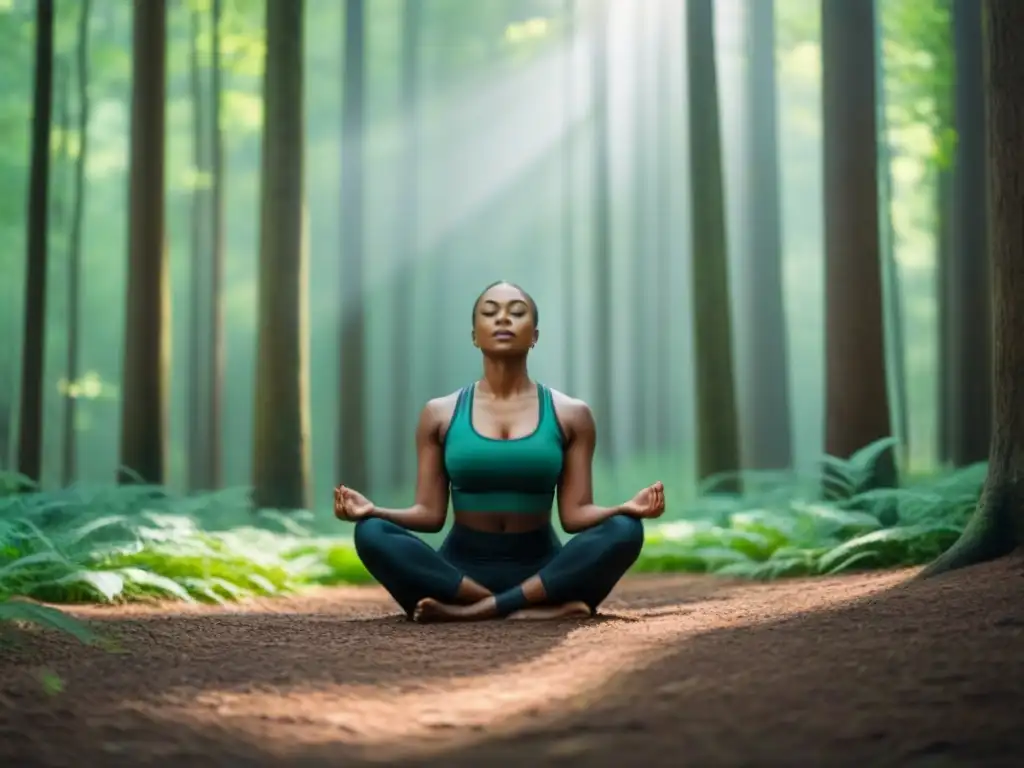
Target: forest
x: 242, y: 238
x: 201, y: 333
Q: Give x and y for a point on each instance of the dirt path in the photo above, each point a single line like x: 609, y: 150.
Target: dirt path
x: 683, y: 671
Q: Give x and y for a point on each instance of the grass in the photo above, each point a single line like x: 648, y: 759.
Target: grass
x: 129, y: 543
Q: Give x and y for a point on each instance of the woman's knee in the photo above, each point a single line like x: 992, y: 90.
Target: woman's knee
x: 626, y: 531
x: 371, y: 534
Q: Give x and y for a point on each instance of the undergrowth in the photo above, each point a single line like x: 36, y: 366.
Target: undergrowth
x: 137, y: 542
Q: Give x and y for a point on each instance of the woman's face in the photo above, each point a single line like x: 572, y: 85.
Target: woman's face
x: 503, y: 324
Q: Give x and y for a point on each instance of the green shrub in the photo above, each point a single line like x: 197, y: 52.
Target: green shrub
x: 139, y: 542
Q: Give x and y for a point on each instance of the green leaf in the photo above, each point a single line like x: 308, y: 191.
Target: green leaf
x: 43, y: 615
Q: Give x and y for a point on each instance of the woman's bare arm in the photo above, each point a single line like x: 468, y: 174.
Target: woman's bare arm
x: 576, y: 508
x: 430, y: 507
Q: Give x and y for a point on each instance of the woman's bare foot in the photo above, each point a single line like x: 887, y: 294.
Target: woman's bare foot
x: 575, y: 609
x: 428, y: 610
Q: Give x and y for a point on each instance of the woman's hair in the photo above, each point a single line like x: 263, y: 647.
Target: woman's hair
x: 528, y: 297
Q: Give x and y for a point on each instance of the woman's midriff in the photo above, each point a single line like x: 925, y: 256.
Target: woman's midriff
x: 503, y: 522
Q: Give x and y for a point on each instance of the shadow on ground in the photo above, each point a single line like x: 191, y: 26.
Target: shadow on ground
x: 869, y: 670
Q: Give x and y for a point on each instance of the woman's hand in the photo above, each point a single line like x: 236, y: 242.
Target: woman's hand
x: 351, y: 505
x: 648, y: 503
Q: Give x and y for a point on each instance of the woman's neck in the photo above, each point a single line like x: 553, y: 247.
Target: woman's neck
x: 505, y: 378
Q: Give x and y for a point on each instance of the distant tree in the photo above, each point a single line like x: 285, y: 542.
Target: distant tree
x: 569, y: 12
x: 215, y: 348
x: 997, y: 527
x: 281, y: 462
x: 856, y: 398
x: 602, y: 289
x: 74, y: 276
x: 147, y: 328
x: 718, y: 447
x: 643, y: 233
x: 353, y: 467
x: 30, y: 436
x: 969, y: 311
x: 198, y: 460
x: 768, y: 442
x: 407, y: 214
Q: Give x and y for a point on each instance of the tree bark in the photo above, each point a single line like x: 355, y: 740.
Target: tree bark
x: 602, y: 404
x: 198, y: 418
x: 281, y: 463
x: 944, y: 263
x: 997, y: 526
x: 718, y: 449
x: 215, y: 362
x: 857, y: 401
x: 568, y: 194
x: 74, y: 278
x: 147, y: 322
x: 353, y: 467
x: 407, y: 252
x: 642, y: 251
x: 30, y: 426
x: 970, y: 310
x: 769, y: 443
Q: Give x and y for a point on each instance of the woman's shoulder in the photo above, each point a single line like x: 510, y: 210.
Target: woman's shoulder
x: 569, y: 408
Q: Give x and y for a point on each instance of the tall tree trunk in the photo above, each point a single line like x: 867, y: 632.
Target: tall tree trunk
x: 198, y: 419
x: 970, y: 310
x: 770, y: 441
x: 717, y: 432
x: 997, y: 527
x: 74, y: 278
x: 147, y: 321
x: 407, y: 251
x: 215, y: 348
x: 281, y: 472
x: 857, y: 402
x: 891, y: 298
x: 943, y: 261
x: 30, y: 437
x: 568, y: 194
x: 602, y: 335
x: 664, y: 310
x: 641, y: 255
x: 353, y: 467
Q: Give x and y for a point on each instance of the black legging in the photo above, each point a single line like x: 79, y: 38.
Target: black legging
x: 585, y: 568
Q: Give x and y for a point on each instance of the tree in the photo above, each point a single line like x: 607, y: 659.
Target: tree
x: 968, y: 343
x: 717, y: 433
x: 215, y: 362
x: 281, y: 430
x: 768, y: 430
x: 569, y: 11
x: 407, y: 251
x: 74, y: 276
x: 30, y: 435
x: 602, y: 404
x: 642, y: 235
x: 352, y: 453
x: 856, y: 398
x: 997, y: 526
x: 198, y: 419
x: 147, y: 337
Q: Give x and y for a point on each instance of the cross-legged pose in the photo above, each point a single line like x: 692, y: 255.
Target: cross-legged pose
x: 504, y: 446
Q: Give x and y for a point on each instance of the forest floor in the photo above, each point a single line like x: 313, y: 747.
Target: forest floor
x: 868, y: 669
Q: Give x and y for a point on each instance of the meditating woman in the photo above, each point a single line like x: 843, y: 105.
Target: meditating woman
x: 503, y: 445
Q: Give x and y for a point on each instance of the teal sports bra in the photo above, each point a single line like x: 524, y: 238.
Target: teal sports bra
x: 488, y: 474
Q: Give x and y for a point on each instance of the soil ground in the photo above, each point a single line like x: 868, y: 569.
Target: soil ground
x: 873, y: 669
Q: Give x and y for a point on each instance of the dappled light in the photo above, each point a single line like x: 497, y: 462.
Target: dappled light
x: 458, y: 382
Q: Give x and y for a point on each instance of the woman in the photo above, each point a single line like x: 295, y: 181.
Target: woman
x: 504, y: 445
